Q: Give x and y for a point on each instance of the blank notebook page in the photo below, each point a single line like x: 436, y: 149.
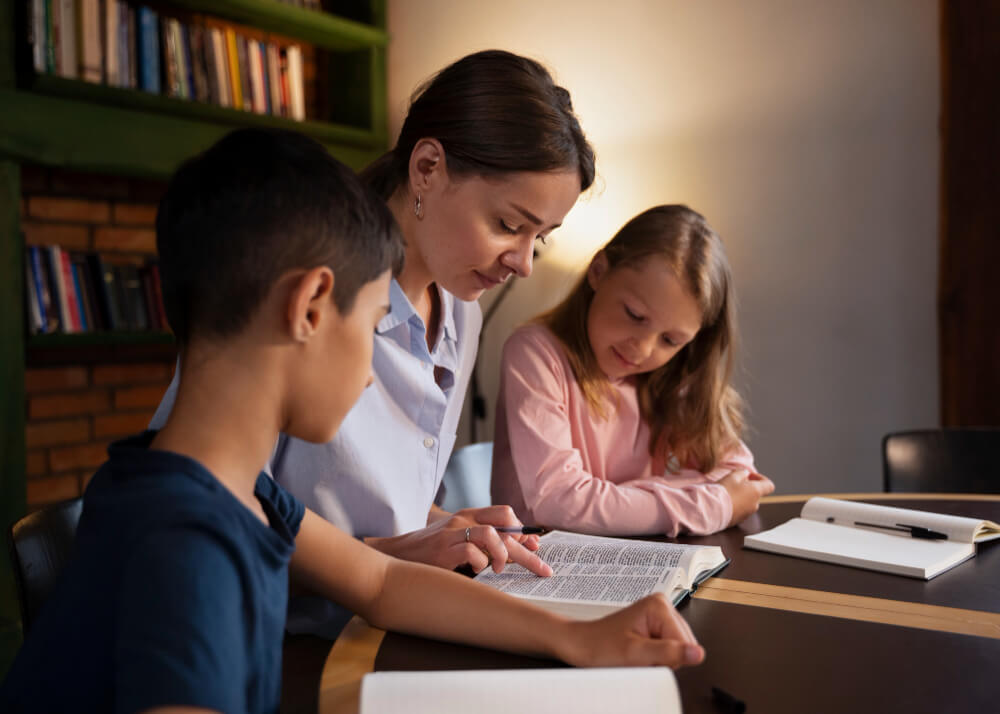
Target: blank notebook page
x: 641, y: 690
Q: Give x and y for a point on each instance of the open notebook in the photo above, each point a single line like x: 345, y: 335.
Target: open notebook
x: 873, y: 537
x: 593, y: 576
x: 638, y: 690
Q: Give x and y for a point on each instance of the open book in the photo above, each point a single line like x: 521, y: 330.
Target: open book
x: 593, y: 576
x: 648, y: 690
x: 877, y: 537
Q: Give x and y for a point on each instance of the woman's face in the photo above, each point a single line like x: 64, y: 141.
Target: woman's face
x: 639, y: 317
x: 477, y: 232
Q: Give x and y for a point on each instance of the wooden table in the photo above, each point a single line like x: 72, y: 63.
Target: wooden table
x: 782, y: 634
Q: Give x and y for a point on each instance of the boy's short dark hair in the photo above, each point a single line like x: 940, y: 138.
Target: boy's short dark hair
x: 258, y: 203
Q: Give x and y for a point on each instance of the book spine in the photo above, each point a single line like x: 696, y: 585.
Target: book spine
x: 274, y: 79
x: 187, y: 71
x: 39, y: 36
x: 256, y: 77
x: 89, y: 40
x: 133, y: 64
x: 104, y: 284
x: 234, y: 68
x: 86, y: 319
x: 69, y: 286
x: 109, y: 45
x: 121, y: 299
x: 40, y: 288
x: 244, y: 73
x: 133, y: 296
x: 208, y: 63
x: 149, y: 50
x: 36, y: 323
x: 88, y: 284
x: 58, y: 289
x: 122, y: 44
x: 295, y: 89
x: 222, y: 68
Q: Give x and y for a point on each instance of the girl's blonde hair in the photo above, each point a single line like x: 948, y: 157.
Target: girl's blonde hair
x: 692, y: 411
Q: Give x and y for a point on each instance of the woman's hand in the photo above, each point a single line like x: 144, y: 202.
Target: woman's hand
x: 649, y: 632
x: 444, y: 542
x: 745, y: 488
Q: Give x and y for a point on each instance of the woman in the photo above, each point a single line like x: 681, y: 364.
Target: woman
x: 489, y: 159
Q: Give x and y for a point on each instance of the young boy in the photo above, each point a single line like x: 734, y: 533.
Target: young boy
x: 275, y: 265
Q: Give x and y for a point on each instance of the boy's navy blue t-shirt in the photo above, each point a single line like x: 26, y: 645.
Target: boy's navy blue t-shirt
x: 176, y: 595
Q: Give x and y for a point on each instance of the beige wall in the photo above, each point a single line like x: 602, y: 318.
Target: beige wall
x: 806, y: 131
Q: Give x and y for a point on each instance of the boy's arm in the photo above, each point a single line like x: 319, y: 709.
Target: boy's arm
x: 433, y: 602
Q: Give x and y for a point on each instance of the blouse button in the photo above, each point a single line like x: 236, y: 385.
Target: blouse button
x: 428, y: 442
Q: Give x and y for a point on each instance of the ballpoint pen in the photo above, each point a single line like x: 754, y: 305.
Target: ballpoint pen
x: 914, y: 531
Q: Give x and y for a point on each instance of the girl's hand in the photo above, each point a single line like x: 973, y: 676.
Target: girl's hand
x: 443, y: 543
x: 745, y: 489
x: 649, y: 632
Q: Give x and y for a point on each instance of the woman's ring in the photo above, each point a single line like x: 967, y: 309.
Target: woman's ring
x: 468, y: 534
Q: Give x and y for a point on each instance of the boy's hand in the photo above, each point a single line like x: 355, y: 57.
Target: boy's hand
x: 745, y: 489
x: 443, y: 543
x: 649, y: 632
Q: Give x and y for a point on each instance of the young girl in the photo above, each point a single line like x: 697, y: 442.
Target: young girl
x: 615, y: 413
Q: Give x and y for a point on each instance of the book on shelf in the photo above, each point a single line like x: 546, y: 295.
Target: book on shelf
x: 593, y: 576
x: 901, y: 541
x: 187, y: 57
x: 647, y: 690
x: 83, y: 292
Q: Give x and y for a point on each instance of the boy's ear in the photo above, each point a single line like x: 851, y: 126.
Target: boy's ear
x: 597, y: 270
x: 310, y: 302
x: 427, y: 165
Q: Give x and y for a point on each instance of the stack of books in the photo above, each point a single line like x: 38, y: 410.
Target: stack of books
x: 134, y: 47
x: 82, y: 292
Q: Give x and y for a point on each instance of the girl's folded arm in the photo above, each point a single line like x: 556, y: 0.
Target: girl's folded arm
x: 557, y: 488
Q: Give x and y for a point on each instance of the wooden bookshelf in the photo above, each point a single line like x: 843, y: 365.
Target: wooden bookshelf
x: 66, y: 123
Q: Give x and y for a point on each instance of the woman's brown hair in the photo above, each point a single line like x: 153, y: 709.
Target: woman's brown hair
x: 494, y: 112
x: 692, y: 411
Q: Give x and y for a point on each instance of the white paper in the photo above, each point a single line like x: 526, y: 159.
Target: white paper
x: 638, y: 690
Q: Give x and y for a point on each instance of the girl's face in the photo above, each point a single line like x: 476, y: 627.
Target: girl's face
x: 477, y: 232
x: 639, y: 317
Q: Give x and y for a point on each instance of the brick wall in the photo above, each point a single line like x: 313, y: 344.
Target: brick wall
x: 75, y: 410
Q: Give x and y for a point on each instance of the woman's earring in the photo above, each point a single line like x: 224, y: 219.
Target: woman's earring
x: 417, y: 206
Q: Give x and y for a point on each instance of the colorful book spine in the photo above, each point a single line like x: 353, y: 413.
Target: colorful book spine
x: 86, y: 320
x: 39, y: 284
x: 75, y: 319
x: 149, y: 50
x: 232, y: 51
x: 36, y: 319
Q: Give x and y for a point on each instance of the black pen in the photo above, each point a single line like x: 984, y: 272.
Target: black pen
x: 523, y: 530
x: 914, y: 531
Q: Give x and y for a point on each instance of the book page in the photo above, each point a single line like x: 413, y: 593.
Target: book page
x: 900, y: 554
x: 648, y: 690
x: 958, y: 528
x: 595, y: 569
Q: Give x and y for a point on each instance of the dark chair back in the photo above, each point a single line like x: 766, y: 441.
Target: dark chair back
x: 40, y: 545
x: 942, y: 460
